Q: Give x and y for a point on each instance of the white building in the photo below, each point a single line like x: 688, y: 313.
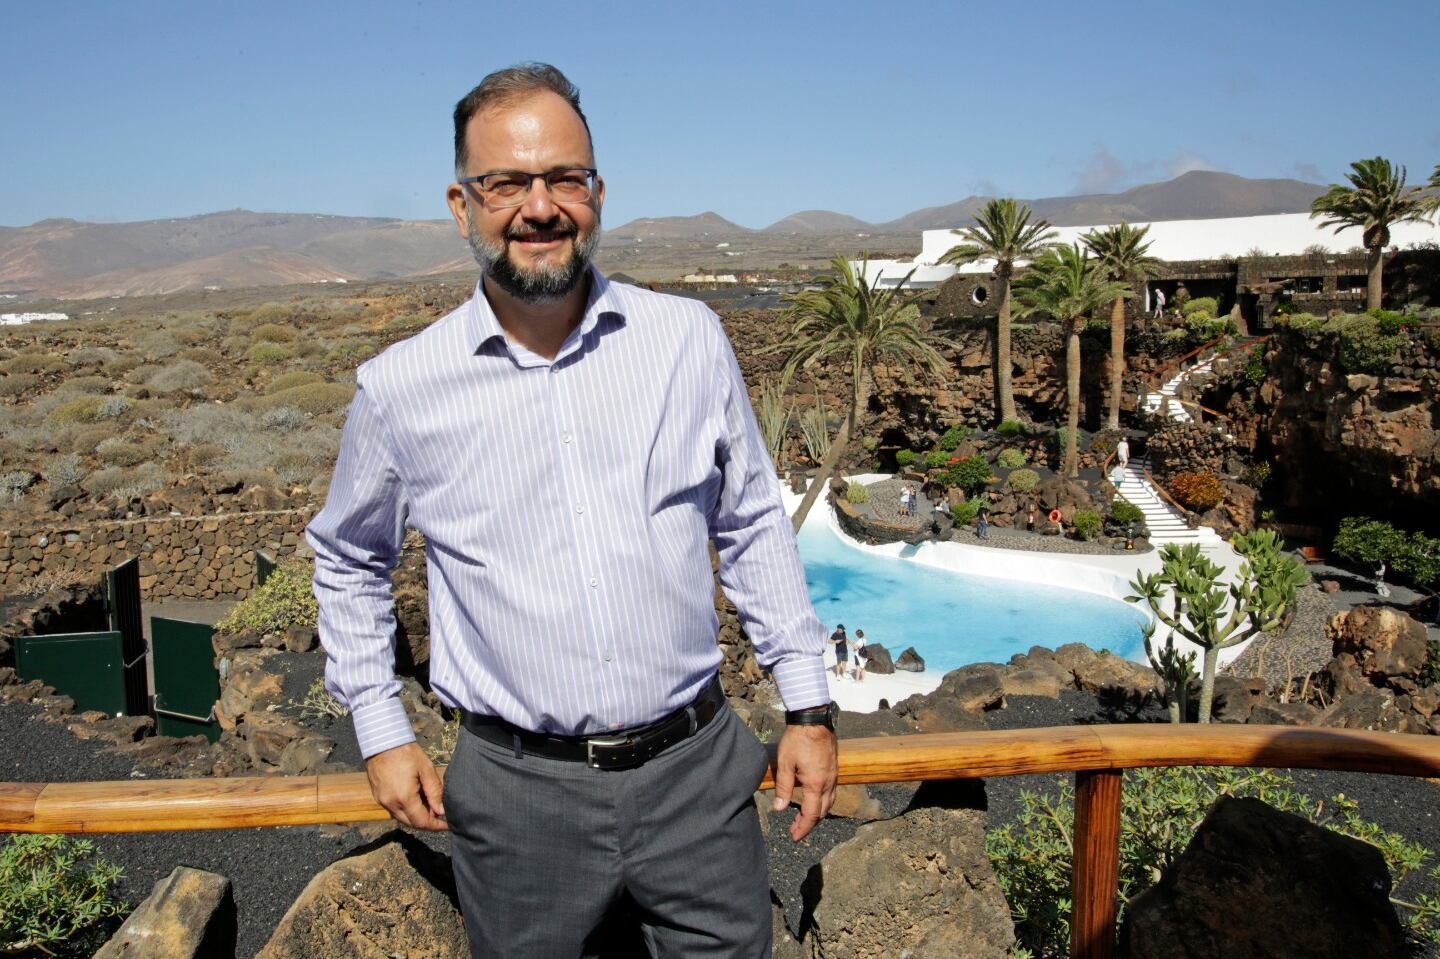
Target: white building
x: 1281, y: 234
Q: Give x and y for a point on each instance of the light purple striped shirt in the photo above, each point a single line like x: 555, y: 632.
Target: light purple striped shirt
x: 566, y: 507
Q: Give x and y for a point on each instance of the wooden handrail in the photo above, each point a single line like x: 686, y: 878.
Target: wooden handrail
x: 1164, y: 493
x: 1096, y: 754
x: 1154, y: 378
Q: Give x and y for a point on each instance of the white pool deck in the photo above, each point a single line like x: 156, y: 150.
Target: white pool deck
x: 1099, y: 574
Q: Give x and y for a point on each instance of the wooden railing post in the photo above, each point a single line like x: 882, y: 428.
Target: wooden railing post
x: 1095, y: 880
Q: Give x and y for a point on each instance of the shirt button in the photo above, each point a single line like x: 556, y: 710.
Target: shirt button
x: 565, y: 437
x: 594, y: 583
x: 579, y: 507
x: 607, y: 655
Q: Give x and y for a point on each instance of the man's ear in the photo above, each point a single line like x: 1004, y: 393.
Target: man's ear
x: 599, y: 191
x: 459, y: 211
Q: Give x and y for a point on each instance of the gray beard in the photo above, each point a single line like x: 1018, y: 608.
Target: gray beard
x: 544, y: 283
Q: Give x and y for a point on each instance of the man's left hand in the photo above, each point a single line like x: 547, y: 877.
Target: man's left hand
x: 808, y: 758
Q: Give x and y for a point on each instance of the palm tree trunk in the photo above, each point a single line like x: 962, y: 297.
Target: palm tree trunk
x: 1072, y: 397
x: 1373, y: 280
x: 858, y: 403
x: 1004, y: 395
x: 1117, y: 362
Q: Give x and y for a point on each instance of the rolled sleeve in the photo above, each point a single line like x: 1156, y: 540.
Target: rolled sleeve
x: 357, y: 539
x: 760, y: 568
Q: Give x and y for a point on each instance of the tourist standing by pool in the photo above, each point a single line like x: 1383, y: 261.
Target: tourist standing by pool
x: 841, y: 642
x: 982, y: 523
x: 861, y: 656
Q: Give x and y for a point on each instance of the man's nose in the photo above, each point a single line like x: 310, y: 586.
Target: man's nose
x: 539, y: 205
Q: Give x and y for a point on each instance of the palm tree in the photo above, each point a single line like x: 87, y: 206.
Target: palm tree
x: 1121, y: 251
x: 862, y: 324
x: 1003, y: 233
x: 1067, y: 284
x: 1376, y: 198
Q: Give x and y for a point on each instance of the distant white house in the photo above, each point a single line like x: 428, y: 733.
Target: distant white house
x: 19, y: 319
x: 1281, y: 234
x: 708, y: 278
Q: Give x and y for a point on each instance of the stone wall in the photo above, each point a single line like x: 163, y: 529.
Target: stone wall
x: 181, y: 557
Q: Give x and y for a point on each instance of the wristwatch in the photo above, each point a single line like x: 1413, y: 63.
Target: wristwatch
x: 813, y: 716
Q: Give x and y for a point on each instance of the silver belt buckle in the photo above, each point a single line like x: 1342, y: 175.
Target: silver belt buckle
x: 604, y: 742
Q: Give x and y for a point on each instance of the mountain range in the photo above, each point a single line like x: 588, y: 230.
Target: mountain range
x: 68, y: 258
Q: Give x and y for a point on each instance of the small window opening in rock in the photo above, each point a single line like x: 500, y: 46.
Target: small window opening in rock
x: 979, y: 295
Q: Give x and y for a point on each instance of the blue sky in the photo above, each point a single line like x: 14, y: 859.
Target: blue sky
x: 138, y: 110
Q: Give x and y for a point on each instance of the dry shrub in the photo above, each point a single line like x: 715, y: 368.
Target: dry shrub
x: 88, y: 438
x: 295, y: 468
x: 67, y: 469
x: 201, y: 455
x: 122, y: 365
x: 143, y: 372
x: 312, y: 398
x: 19, y: 384
x: 92, y: 356
x: 158, y: 344
x: 34, y: 363
x: 209, y: 423
x: 310, y: 349
x: 202, y: 355
x: 181, y: 375
x: 274, y: 333
x: 126, y: 482
x: 284, y: 419
x: 91, y: 385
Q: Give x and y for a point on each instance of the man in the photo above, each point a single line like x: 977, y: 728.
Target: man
x: 569, y: 447
x: 1158, y: 299
x: 841, y: 642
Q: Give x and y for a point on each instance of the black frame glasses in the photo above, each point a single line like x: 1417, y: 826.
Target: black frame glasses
x: 487, y: 185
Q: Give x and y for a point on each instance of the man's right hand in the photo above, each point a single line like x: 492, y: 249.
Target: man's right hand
x: 405, y: 782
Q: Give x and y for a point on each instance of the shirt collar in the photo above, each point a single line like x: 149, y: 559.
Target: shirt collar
x: 603, y: 303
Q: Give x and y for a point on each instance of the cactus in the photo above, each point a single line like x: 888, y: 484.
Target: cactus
x: 1175, y: 668
x: 1263, y: 591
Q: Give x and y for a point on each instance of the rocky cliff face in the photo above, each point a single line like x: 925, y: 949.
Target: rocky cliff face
x: 1354, y: 442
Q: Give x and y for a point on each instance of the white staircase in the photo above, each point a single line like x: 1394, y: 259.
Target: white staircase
x: 1165, y: 522
x: 1154, y: 402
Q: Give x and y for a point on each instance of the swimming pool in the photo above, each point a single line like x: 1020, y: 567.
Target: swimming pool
x: 951, y: 618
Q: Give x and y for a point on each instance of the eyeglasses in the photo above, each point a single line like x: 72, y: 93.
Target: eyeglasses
x: 511, y: 187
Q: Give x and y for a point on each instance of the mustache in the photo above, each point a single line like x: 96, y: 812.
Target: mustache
x: 556, y: 228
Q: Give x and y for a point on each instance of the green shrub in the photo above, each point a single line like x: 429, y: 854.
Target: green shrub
x: 953, y: 436
x: 1430, y: 672
x: 936, y: 459
x: 312, y: 398
x: 1197, y: 491
x: 1010, y: 428
x: 1260, y: 473
x: 351, y: 352
x: 964, y: 513
x: 869, y: 443
x: 1086, y: 524
x: 1161, y: 809
x: 407, y: 323
x: 1365, y: 346
x: 1023, y: 480
x: 284, y: 601
x: 84, y: 386
x: 1256, y: 368
x: 117, y: 451
x: 1125, y: 513
x: 1009, y: 459
x: 267, y: 352
x: 274, y: 333
x: 857, y: 493
x: 971, y: 474
x: 55, y: 896
x: 1201, y: 304
x: 39, y: 363
x: 905, y: 457
x: 295, y: 377
x: 84, y: 409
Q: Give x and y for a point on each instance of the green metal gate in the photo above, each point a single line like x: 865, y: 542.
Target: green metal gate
x: 123, y: 605
x: 186, y: 682
x: 87, y: 667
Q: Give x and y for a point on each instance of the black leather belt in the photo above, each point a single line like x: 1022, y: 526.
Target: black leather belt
x: 622, y: 749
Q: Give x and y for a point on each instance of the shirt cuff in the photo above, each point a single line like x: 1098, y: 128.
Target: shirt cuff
x: 802, y: 682
x: 382, y: 725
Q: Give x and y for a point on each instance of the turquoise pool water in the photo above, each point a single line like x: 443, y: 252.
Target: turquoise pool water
x: 953, y: 619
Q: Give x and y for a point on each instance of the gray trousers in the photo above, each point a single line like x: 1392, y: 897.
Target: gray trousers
x: 545, y: 850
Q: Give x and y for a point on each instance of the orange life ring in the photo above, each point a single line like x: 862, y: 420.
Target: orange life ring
x: 1054, y: 516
